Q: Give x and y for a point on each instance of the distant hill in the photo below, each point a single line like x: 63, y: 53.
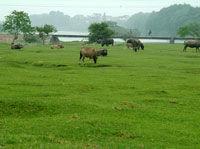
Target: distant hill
x: 162, y: 23
x: 138, y: 21
x: 76, y: 23
x: 166, y: 21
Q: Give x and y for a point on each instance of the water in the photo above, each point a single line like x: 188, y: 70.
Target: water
x: 117, y: 40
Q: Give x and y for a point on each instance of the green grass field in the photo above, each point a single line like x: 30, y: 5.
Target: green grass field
x: 148, y: 99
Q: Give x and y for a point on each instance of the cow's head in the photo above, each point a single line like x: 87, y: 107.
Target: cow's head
x: 99, y: 41
x: 103, y: 52
x: 142, y: 46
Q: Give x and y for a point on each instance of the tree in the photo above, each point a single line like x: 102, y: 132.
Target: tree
x: 192, y: 29
x: 44, y: 31
x: 99, y: 31
x: 17, y: 22
x: 1, y: 27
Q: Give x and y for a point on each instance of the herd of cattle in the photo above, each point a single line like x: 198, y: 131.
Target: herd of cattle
x: 92, y: 53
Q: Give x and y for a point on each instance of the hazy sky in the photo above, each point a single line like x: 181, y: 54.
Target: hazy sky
x: 87, y: 7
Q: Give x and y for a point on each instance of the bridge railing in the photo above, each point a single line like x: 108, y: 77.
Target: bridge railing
x: 171, y: 39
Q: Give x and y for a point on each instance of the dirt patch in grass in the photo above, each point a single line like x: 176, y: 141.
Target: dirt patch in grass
x: 193, y: 70
x: 126, y: 105
x: 22, y: 64
x: 48, y: 65
x: 161, y: 93
x: 192, y: 56
x: 25, y: 108
x: 125, y: 135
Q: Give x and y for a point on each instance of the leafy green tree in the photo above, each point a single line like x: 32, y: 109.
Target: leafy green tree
x: 44, y: 31
x: 1, y: 27
x: 192, y: 29
x: 99, y: 31
x: 16, y: 23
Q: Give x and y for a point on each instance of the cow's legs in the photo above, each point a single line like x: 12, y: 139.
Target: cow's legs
x: 197, y: 49
x: 83, y: 59
x: 80, y: 56
x: 135, y: 49
x: 95, y: 59
x: 184, y: 49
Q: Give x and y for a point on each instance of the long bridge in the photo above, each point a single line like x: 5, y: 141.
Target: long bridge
x: 171, y: 39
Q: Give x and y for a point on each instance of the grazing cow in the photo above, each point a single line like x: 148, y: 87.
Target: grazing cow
x: 92, y: 53
x: 102, y: 52
x: 135, y: 44
x: 16, y: 46
x: 57, y: 46
x: 191, y: 44
x: 106, y: 41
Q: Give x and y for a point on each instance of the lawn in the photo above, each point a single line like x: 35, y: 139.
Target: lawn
x: 149, y: 99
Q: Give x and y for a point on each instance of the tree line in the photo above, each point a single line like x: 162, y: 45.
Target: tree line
x: 18, y: 22
x: 165, y: 22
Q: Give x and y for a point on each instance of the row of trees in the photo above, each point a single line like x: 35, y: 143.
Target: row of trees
x: 18, y: 22
x: 162, y: 23
x: 165, y: 22
x: 108, y: 29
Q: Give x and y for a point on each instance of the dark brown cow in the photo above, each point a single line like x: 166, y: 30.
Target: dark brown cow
x: 191, y: 44
x: 106, y: 41
x: 135, y: 44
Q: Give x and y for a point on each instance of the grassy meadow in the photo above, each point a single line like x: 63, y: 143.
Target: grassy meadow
x: 148, y: 99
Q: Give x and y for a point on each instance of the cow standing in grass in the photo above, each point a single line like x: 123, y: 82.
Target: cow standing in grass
x: 135, y: 44
x: 191, y: 44
x: 91, y: 53
x: 106, y: 41
x: 16, y: 46
x: 57, y: 46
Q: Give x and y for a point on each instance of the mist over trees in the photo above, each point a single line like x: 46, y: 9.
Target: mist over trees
x: 76, y: 23
x: 165, y: 22
x: 169, y: 20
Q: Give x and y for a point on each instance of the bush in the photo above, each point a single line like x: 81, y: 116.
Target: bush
x: 99, y: 31
x: 31, y: 38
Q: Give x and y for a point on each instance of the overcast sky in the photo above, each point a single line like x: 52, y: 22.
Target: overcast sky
x: 88, y: 7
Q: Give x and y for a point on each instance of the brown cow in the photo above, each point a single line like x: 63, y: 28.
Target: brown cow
x: 89, y: 53
x: 92, y: 53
